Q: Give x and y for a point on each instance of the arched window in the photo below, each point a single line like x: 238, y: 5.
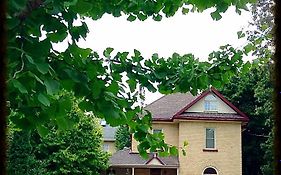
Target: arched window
x: 210, y: 103
x: 210, y: 171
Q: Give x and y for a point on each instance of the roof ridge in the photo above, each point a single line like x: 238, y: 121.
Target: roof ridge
x: 156, y: 100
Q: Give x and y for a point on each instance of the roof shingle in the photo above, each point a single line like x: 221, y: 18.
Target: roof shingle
x: 126, y: 158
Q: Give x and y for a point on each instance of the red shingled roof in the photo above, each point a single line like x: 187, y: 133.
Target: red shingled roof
x: 173, y: 106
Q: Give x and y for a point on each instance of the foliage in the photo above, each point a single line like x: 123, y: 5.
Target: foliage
x: 21, y: 157
x: 73, y: 151
x: 37, y: 72
x: 123, y: 137
x: 252, y: 92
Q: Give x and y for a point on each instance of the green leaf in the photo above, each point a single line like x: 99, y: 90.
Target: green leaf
x: 82, y: 7
x: 58, y: 36
x: 85, y: 105
x: 216, y: 84
x: 240, y: 34
x: 42, y: 130
x: 157, y: 17
x: 52, y: 86
x: 42, y: 67
x: 18, y: 4
x: 107, y: 52
x: 62, y: 123
x: 173, y: 151
x: 183, y: 152
x: 131, y: 18
x: 97, y: 87
x: 216, y: 15
x: 248, y: 48
x: 29, y: 58
x: 185, y: 143
x: 43, y: 99
x: 19, y: 86
x: 12, y: 23
x: 185, y: 11
x: 132, y: 84
x: 246, y: 67
x: 142, y: 16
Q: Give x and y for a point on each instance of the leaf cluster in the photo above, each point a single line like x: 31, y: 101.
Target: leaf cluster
x: 73, y: 151
x: 38, y: 74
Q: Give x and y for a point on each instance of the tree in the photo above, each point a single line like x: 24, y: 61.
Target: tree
x: 251, y: 93
x: 37, y: 72
x: 123, y: 137
x: 21, y: 157
x: 73, y: 151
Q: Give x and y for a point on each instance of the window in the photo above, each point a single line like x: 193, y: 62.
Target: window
x: 106, y: 147
x: 210, y: 103
x: 210, y: 138
x: 155, y: 171
x: 156, y: 131
x: 210, y: 171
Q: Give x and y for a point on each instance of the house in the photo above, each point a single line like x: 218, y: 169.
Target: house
x: 211, y: 125
x: 108, y: 137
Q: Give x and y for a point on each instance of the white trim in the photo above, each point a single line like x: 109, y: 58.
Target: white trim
x: 133, y: 171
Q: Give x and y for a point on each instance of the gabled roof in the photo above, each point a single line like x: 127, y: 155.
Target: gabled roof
x: 174, y: 106
x: 126, y: 158
x: 167, y: 106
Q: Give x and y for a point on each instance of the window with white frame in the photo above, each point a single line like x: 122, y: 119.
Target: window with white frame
x: 210, y: 138
x: 210, y: 103
x: 210, y: 171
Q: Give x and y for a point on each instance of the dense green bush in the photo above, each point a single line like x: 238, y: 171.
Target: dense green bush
x: 73, y: 151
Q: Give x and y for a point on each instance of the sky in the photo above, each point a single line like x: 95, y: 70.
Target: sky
x: 195, y: 33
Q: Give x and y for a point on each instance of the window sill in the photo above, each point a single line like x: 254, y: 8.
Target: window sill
x: 210, y: 150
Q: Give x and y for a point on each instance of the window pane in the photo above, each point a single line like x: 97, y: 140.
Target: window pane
x: 210, y: 143
x: 211, y: 98
x: 207, y: 105
x: 210, y: 138
x: 213, y: 105
x: 210, y: 133
x: 210, y: 103
x: 210, y: 171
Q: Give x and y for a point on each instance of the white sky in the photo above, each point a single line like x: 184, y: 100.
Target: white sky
x: 193, y: 33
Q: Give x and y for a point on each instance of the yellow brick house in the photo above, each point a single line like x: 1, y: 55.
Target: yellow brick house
x: 211, y: 125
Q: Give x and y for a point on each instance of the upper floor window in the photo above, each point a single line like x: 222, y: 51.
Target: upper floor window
x: 210, y: 138
x: 210, y: 103
x: 210, y: 171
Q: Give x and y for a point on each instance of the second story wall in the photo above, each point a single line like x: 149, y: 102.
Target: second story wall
x: 170, y: 130
x: 109, y: 146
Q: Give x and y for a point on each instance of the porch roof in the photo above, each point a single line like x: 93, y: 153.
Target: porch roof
x: 127, y: 158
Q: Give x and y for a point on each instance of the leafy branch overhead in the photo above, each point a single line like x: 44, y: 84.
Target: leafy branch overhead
x: 38, y: 73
